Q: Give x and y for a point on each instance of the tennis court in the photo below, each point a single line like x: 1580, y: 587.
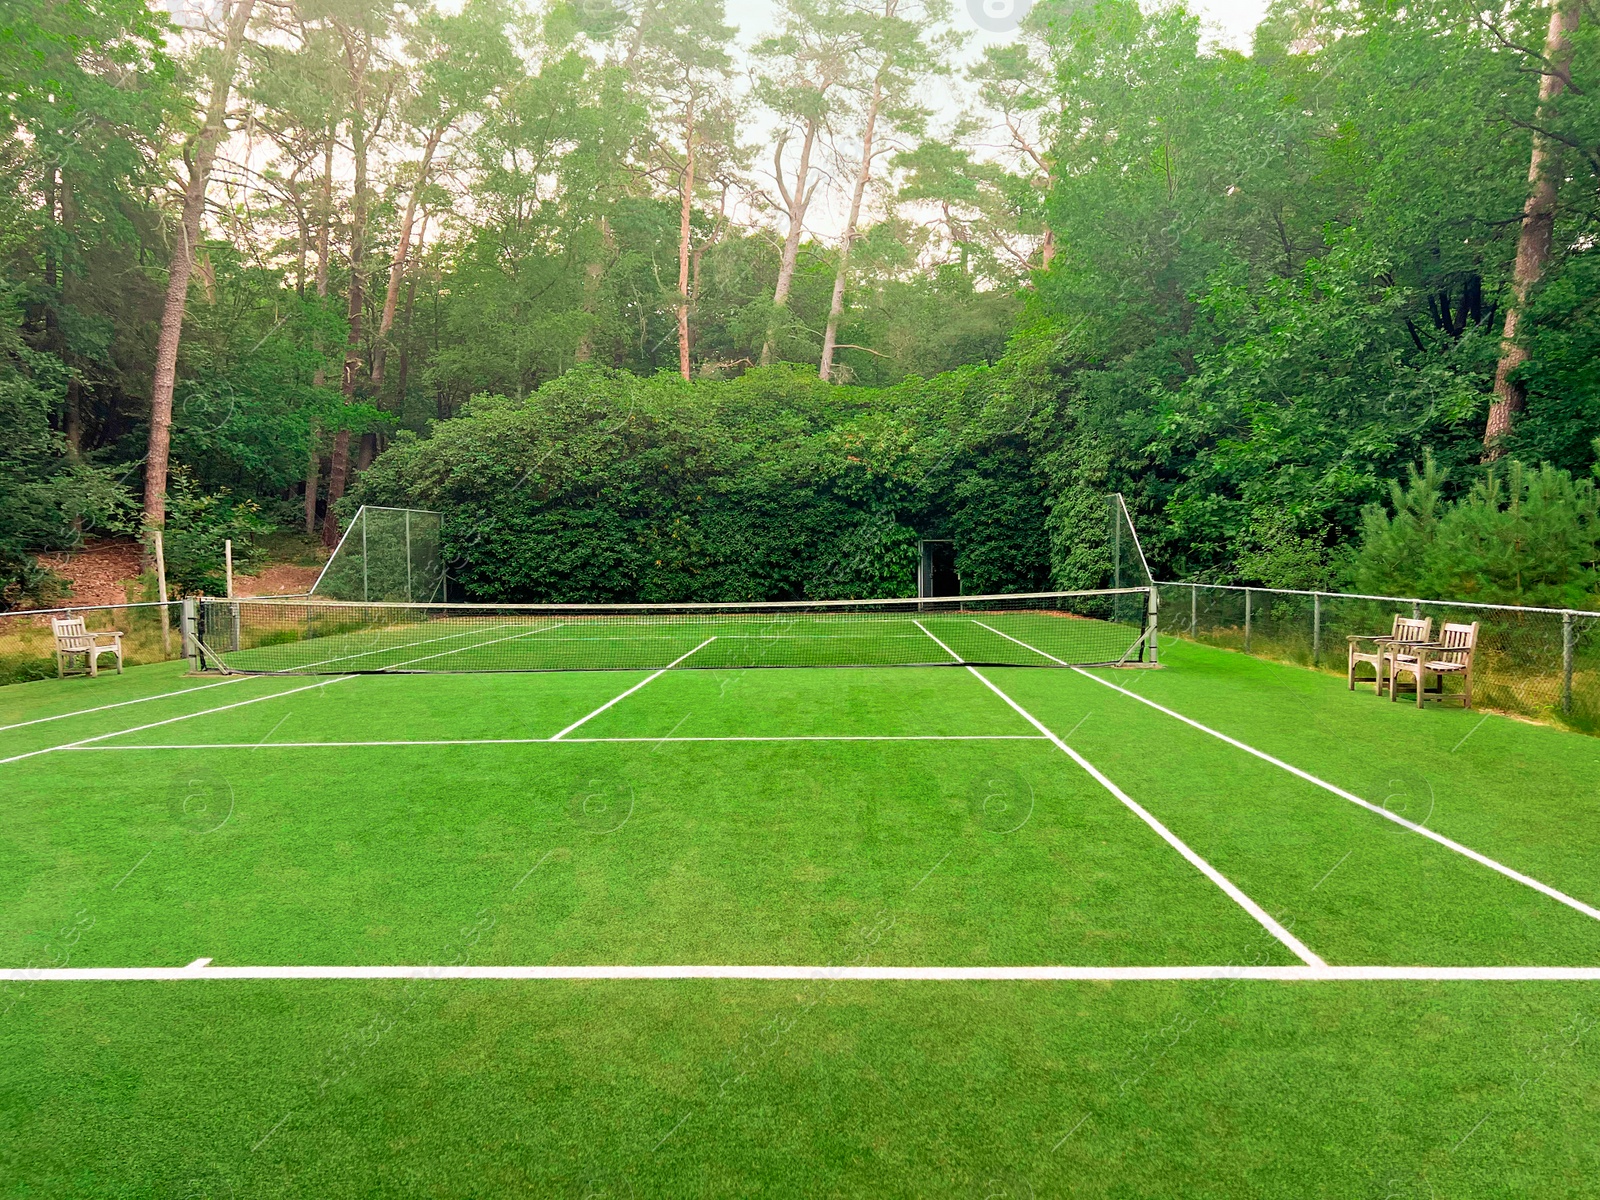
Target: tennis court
x: 840, y: 924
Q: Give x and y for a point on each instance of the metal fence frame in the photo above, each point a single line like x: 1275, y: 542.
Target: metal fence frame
x: 1575, y: 701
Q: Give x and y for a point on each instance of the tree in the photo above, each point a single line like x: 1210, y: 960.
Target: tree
x: 679, y: 60
x: 902, y: 48
x: 1538, y: 224
x: 801, y: 72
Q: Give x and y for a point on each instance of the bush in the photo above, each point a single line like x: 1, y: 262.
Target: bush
x: 607, y: 487
x: 1521, y: 536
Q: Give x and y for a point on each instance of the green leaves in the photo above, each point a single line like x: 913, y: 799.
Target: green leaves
x: 1520, y: 536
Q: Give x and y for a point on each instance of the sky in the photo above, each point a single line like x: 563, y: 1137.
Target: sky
x: 1231, y: 23
x: 1234, y: 20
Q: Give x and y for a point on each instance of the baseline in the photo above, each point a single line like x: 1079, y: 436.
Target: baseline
x: 1307, y: 974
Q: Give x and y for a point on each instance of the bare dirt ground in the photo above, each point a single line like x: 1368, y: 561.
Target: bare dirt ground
x: 107, y: 572
x: 278, y: 579
x: 103, y: 572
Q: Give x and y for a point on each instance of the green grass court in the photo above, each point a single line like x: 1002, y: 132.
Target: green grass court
x: 828, y: 824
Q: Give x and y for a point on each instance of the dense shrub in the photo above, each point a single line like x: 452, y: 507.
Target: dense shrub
x: 606, y: 486
x: 1520, y: 536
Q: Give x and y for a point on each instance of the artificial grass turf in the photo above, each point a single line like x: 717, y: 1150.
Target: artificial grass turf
x: 1525, y: 794
x: 1354, y: 887
x: 1220, y: 1089
x: 717, y: 1088
x: 585, y: 853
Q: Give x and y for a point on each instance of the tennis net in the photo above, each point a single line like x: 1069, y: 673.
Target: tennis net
x: 319, y: 637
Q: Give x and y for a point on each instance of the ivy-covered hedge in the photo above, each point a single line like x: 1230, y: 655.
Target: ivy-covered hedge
x: 604, y: 486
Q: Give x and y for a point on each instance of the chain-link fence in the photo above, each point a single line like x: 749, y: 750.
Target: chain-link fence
x: 1538, y: 662
x: 387, y: 555
x: 150, y: 633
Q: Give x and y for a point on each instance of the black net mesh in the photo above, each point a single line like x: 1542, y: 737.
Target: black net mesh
x: 324, y: 637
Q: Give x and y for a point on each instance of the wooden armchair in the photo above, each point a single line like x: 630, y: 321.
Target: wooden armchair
x: 73, y: 639
x: 1374, y: 648
x: 1451, y: 655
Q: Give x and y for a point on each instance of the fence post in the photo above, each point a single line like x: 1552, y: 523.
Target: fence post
x: 189, y: 641
x: 1194, y: 606
x: 1247, y: 620
x: 1316, y: 629
x: 1566, y: 662
x: 1416, y: 610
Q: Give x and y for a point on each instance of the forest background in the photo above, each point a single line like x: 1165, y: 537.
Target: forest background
x: 652, y: 313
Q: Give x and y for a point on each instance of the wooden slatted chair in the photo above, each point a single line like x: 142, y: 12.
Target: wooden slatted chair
x: 73, y: 639
x: 1374, y: 648
x: 1451, y: 655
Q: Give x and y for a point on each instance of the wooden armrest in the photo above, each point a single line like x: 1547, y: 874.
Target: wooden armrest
x: 110, y: 633
x: 1369, y: 637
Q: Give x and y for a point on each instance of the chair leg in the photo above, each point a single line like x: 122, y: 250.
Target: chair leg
x: 1422, y: 685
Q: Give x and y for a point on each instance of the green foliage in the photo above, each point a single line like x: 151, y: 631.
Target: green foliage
x: 1524, y: 536
x: 774, y: 485
x: 197, y: 527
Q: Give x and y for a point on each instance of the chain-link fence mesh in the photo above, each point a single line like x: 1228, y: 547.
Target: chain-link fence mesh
x: 387, y: 555
x: 27, y: 642
x: 1536, y: 662
x: 1129, y: 569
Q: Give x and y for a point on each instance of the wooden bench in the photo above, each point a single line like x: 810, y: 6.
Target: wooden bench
x: 1450, y: 655
x: 1407, y: 631
x: 73, y: 639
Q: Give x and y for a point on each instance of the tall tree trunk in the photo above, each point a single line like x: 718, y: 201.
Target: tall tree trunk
x: 339, y: 464
x: 683, y: 245
x: 313, y: 477
x: 797, y: 202
x: 397, y: 267
x: 325, y: 223
x: 1538, y: 223
x: 830, y: 338
x: 200, y: 152
x: 320, y: 375
x: 593, y: 273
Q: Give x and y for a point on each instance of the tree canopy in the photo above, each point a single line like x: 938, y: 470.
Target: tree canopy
x: 654, y: 308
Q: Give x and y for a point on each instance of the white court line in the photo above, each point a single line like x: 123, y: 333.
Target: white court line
x: 1308, y: 974
x: 953, y: 655
x: 82, y: 712
x: 633, y: 689
x: 186, y: 716
x: 574, y: 741
x: 208, y: 711
x: 1448, y: 843
x: 1299, y: 948
x: 475, y: 646
x: 1021, y: 643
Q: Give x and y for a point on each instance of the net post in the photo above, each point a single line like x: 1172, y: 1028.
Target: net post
x: 1152, y: 637
x: 1194, y: 608
x: 189, y: 641
x: 363, y: 520
x: 409, y: 594
x: 1566, y: 661
x: 1316, y: 629
x: 1247, y: 620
